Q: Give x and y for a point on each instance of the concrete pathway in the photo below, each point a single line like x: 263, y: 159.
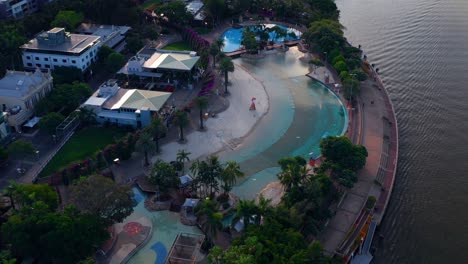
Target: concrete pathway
x: 372, y: 138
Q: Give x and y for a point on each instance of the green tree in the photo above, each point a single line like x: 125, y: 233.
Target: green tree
x: 67, y: 97
x: 326, y: 33
x: 211, y: 219
x: 26, y: 195
x: 225, y: 66
x: 207, y: 173
x: 53, y: 237
x: 215, y: 9
x: 352, y: 87
x: 3, y: 155
x: 86, y: 115
x: 66, y: 74
x: 134, y: 43
x: 214, y: 51
x: 176, y: 12
x: 182, y: 157
x: 104, y: 52
x: 67, y: 19
x: 231, y: 172
x: 98, y: 195
x: 340, y: 66
x: 181, y: 120
x: 202, y: 103
x: 249, y: 41
x: 247, y: 211
x: 164, y: 176
x: 145, y: 145
x: 20, y: 148
x: 50, y: 122
x: 114, y: 62
x: 158, y: 130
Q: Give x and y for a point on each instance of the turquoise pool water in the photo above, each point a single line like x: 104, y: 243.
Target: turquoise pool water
x: 166, y: 226
x: 232, y: 37
x: 301, y: 112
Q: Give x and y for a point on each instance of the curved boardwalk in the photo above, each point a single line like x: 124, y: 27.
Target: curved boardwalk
x: 379, y: 134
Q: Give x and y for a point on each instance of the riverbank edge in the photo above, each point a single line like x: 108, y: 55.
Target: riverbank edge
x: 389, y: 181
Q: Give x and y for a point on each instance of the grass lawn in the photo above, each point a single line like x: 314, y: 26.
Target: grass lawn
x: 151, y: 4
x: 182, y: 45
x: 81, y: 145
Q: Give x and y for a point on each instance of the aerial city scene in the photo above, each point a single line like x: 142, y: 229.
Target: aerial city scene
x: 233, y: 131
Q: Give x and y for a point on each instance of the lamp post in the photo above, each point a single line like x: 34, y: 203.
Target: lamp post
x: 326, y: 56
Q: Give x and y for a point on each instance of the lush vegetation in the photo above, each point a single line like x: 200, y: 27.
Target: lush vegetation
x: 100, y: 196
x: 36, y: 230
x: 81, y: 145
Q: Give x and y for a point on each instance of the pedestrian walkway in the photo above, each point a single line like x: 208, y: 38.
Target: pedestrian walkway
x: 373, y: 104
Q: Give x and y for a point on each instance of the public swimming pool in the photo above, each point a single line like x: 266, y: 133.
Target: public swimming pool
x: 301, y: 112
x: 232, y: 37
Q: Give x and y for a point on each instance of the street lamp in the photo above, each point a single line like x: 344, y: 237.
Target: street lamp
x: 37, y: 155
x: 326, y: 56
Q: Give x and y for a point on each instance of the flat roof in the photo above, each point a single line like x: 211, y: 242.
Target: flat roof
x: 75, y: 44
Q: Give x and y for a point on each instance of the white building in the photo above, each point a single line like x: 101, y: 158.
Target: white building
x: 19, y: 8
x: 121, y: 106
x: 19, y: 94
x: 59, y: 48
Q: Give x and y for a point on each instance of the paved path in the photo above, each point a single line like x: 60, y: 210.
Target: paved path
x: 372, y: 137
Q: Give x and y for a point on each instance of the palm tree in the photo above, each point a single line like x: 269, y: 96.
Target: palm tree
x: 86, y: 115
x: 145, y: 145
x: 246, y: 210
x: 220, y: 43
x: 226, y: 66
x: 181, y: 119
x: 212, y: 219
x: 202, y: 103
x: 229, y: 175
x: 214, y: 51
x: 182, y: 157
x: 157, y: 129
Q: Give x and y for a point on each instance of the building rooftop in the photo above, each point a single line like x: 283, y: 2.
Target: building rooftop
x: 57, y: 39
x: 111, y: 96
x: 19, y: 84
x: 183, y: 61
x: 110, y: 35
x: 195, y: 8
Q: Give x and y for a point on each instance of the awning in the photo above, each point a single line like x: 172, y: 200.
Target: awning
x: 32, y: 122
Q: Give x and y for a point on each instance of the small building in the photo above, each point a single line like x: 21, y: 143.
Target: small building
x: 164, y: 66
x: 59, y: 48
x: 20, y: 92
x: 121, y: 106
x: 111, y: 36
x: 19, y: 8
x: 196, y: 9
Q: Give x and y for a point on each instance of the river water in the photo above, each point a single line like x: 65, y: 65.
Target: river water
x: 421, y: 49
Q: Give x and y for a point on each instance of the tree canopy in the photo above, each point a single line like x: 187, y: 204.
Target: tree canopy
x: 53, y: 237
x: 50, y: 122
x: 101, y: 196
x: 68, y: 19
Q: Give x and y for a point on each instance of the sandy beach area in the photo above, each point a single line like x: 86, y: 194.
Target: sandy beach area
x: 228, y: 128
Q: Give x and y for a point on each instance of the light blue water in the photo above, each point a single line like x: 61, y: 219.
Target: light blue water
x: 300, y: 108
x: 232, y: 37
x: 166, y: 227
